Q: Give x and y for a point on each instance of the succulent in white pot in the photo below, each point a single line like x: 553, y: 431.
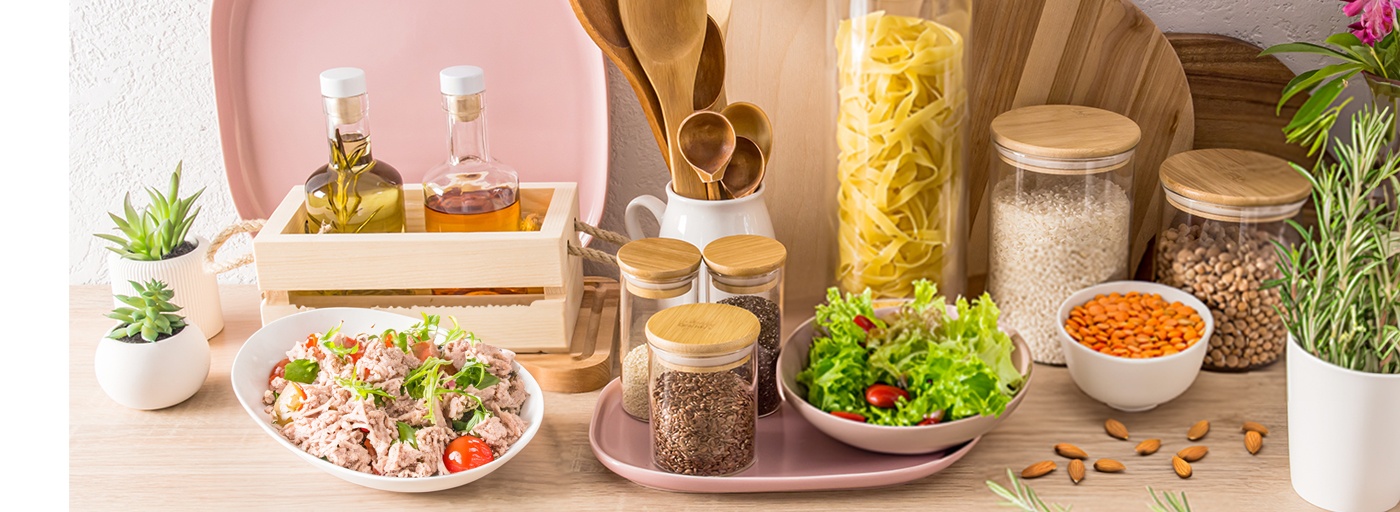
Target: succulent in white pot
x: 151, y: 359
x: 155, y: 243
x: 1340, y: 291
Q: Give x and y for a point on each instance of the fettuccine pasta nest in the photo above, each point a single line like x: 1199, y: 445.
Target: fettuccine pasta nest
x: 900, y: 133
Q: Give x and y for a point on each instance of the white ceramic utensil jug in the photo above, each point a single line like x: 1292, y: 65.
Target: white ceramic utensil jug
x: 699, y: 221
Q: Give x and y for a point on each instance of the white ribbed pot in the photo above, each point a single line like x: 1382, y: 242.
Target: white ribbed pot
x: 153, y: 375
x: 1343, y: 434
x: 196, y: 291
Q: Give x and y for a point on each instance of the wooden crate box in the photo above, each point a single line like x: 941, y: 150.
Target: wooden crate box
x: 294, y: 267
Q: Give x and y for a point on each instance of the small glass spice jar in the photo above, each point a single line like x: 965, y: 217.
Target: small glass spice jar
x: 1224, y: 210
x: 1060, y: 213
x: 704, y: 411
x: 657, y: 273
x: 747, y: 271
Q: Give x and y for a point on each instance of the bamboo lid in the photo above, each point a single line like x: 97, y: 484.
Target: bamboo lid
x: 702, y: 329
x: 745, y: 255
x: 658, y: 259
x: 1233, y: 177
x: 1065, y: 131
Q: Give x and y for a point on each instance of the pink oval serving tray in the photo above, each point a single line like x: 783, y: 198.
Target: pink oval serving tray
x: 546, y: 89
x: 792, y: 456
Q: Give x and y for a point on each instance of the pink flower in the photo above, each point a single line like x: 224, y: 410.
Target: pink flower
x: 1377, y: 18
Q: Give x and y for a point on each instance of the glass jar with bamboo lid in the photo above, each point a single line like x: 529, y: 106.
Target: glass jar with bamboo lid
x: 1224, y: 210
x: 1060, y: 213
x: 704, y: 414
x: 657, y: 273
x: 747, y: 271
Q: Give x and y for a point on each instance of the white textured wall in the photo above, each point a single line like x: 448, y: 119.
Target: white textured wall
x: 142, y: 98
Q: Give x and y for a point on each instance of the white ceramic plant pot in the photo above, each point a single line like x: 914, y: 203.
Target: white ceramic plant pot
x: 153, y: 375
x: 1343, y: 434
x: 196, y: 291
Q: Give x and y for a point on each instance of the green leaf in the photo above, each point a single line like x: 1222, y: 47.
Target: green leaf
x: 1308, y: 79
x: 408, y: 434
x: 1306, y: 48
x: 301, y: 370
x: 466, y: 425
x: 1321, y: 98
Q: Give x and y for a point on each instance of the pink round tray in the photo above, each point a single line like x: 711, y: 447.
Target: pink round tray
x: 547, y: 94
x: 792, y: 456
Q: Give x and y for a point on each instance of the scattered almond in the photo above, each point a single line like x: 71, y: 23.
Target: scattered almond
x: 1253, y: 441
x: 1193, y: 453
x: 1038, y: 469
x: 1076, y: 470
x: 1109, y: 466
x: 1198, y: 430
x: 1250, y: 426
x: 1070, y: 451
x: 1181, y: 467
x: 1148, y: 447
x: 1116, y: 429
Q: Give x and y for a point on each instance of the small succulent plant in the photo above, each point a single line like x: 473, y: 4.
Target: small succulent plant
x: 154, y: 232
x: 148, y: 314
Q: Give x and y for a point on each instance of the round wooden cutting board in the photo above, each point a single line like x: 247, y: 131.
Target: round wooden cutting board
x: 1100, y: 53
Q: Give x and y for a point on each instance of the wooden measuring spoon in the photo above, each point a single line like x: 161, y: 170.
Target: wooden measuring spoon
x: 709, y: 76
x: 706, y: 141
x: 603, y: 23
x: 667, y: 37
x: 751, y: 122
x: 746, y: 168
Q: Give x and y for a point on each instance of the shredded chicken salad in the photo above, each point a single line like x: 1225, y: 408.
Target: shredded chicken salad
x: 421, y: 402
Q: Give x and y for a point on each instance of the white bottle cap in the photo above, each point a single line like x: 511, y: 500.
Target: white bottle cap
x: 342, y: 82
x: 462, y: 80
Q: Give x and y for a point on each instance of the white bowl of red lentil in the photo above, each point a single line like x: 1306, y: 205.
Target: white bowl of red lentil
x: 1127, y: 376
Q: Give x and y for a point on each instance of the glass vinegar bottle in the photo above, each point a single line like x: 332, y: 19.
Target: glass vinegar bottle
x: 353, y: 192
x: 470, y: 191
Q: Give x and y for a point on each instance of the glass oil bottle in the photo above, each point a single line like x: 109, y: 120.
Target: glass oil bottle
x: 354, y: 192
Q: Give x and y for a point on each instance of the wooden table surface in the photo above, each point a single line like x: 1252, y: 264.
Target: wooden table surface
x: 207, y: 453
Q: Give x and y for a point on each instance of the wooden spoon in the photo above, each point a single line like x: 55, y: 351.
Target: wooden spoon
x: 667, y: 37
x: 603, y: 23
x: 709, y: 76
x: 719, y: 10
x: 751, y: 122
x: 706, y: 141
x: 746, y: 168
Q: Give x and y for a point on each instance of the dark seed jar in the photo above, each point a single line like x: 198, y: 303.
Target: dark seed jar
x: 704, y: 414
x: 747, y: 271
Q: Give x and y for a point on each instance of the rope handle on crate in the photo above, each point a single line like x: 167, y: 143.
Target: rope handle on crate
x: 252, y: 226
x: 602, y: 234
x: 241, y: 227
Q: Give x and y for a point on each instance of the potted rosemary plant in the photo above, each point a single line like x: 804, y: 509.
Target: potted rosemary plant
x: 151, y: 359
x: 1340, y: 297
x: 155, y: 242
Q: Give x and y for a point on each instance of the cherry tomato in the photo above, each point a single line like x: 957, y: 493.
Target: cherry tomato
x: 465, y: 453
x: 424, y: 349
x: 884, y: 395
x: 864, y: 323
x: 352, y: 342
x: 932, y: 419
x: 848, y: 415
x: 278, y: 371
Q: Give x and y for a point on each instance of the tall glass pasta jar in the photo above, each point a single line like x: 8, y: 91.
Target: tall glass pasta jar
x: 657, y: 273
x: 704, y: 417
x: 1061, y: 209
x: 747, y: 271
x: 901, y: 130
x: 1225, y: 209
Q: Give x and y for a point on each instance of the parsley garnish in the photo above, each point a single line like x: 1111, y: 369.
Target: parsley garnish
x: 408, y: 434
x: 467, y: 423
x: 301, y: 370
x: 363, y: 389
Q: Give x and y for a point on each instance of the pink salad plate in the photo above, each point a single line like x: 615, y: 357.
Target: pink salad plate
x: 545, y: 83
x: 792, y: 456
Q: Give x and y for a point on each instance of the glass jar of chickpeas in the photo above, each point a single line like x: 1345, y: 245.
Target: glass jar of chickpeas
x: 1224, y: 211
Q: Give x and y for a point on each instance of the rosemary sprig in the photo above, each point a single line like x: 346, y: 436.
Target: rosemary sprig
x: 1022, y: 496
x: 1340, y: 286
x: 1174, y: 503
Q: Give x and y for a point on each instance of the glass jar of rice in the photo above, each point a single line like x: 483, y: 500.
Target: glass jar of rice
x: 704, y: 414
x: 657, y: 273
x: 1061, y: 209
x: 1224, y: 210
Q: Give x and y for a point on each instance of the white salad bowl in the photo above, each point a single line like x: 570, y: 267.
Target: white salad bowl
x: 266, y: 347
x: 911, y: 440
x: 1126, y: 384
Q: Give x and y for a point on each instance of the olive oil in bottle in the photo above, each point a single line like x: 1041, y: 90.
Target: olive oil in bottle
x: 470, y: 191
x: 353, y: 192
